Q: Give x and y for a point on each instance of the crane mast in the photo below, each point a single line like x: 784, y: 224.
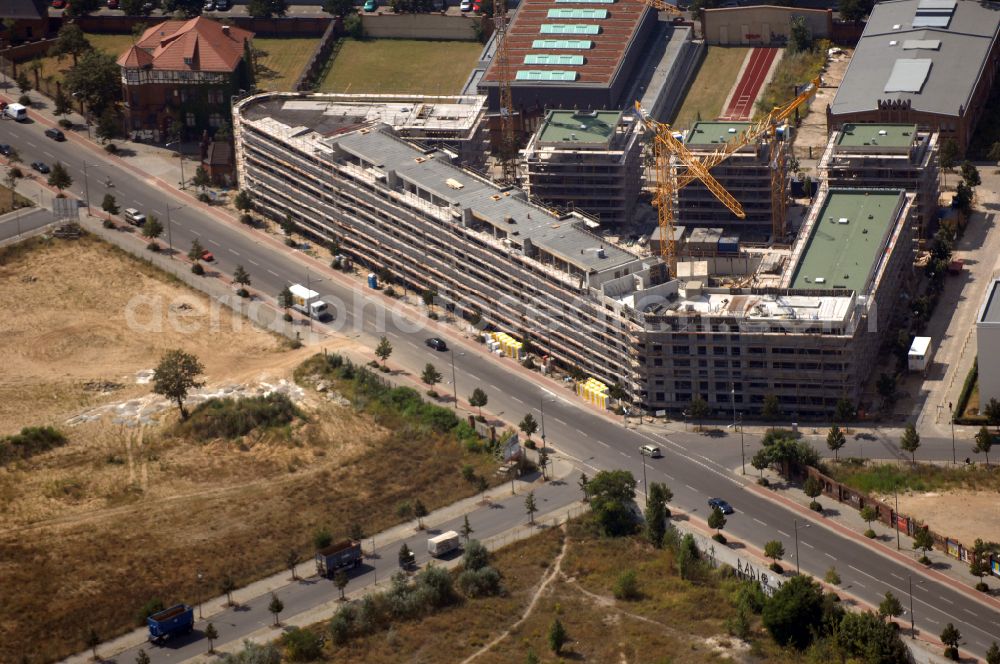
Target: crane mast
x: 508, y: 145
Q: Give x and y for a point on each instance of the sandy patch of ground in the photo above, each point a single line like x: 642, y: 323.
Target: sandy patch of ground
x: 813, y: 133
x: 82, y: 320
x: 960, y: 514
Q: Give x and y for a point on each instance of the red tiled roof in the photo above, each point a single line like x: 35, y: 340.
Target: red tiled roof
x: 199, y: 44
x: 600, y: 62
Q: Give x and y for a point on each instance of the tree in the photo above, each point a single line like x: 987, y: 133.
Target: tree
x: 196, y: 250
x: 201, y: 179
x: 627, y: 585
x: 285, y: 297
x: 886, y: 387
x: 482, y: 484
x: 698, y: 411
x: 543, y: 461
x: 96, y: 79
x: 152, y: 229
x: 302, y: 645
x: 211, y: 634
x: 910, y: 441
x: 963, y: 197
x: 948, y: 154
x: 93, y: 640
x: 993, y: 654
x: 287, y: 224
x: 992, y: 412
x: 141, y: 657
x: 175, y: 375
x: 557, y: 637
x: 800, y: 37
x: 853, y: 10
x: 267, y: 8
x: 185, y: 7
x: 868, y: 514
x: 835, y: 440
x: 61, y: 103
x: 82, y: 7
x: 970, y: 175
x: 291, y: 561
x: 59, y: 177
x: 405, y: 556
x: 478, y: 399
x: 582, y: 483
x: 890, y: 607
x: 717, y: 521
x: 383, y: 350
x: 812, y: 488
x: 761, y: 460
x: 322, y: 538
x: 22, y: 81
x: 109, y: 124
x: 950, y: 636
x: 13, y: 175
x: 656, y: 523
x: 339, y: 8
x: 275, y: 607
x: 428, y: 297
x: 528, y: 425
x: 242, y: 201
x: 984, y: 442
x: 771, y: 408
x: 530, y: 507
x: 466, y: 530
x: 924, y: 542
x: 70, y: 40
x: 228, y: 586
x: 340, y: 580
x: 774, y: 550
x: 419, y: 511
x: 241, y: 276
x: 979, y: 566
x: 612, y: 493
x: 430, y: 376
x: 791, y: 613
x: 110, y: 205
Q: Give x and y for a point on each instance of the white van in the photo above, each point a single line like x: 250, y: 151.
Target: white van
x: 443, y: 543
x: 17, y: 112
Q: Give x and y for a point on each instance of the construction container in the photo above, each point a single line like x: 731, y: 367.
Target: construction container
x: 729, y: 244
x: 372, y: 280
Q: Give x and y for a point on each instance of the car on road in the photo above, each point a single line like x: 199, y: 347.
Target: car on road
x: 112, y: 4
x: 477, y: 7
x: 55, y: 134
x: 222, y: 5
x: 5, y: 149
x: 40, y: 166
x: 209, y: 6
x: 207, y: 256
x: 466, y: 6
x: 370, y: 5
x: 721, y: 504
x: 437, y: 344
x: 134, y: 217
x: 58, y: 4
x: 652, y: 451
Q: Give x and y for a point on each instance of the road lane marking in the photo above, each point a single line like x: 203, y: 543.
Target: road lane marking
x: 516, y: 399
x: 971, y: 613
x: 760, y: 522
x: 784, y: 533
x: 196, y: 232
x: 948, y: 601
x: 808, y: 544
x: 253, y: 262
x: 623, y: 454
x: 858, y: 583
x: 559, y: 421
x: 274, y: 273
x: 472, y: 376
x: 234, y: 252
x: 31, y: 144
x: 213, y: 242
x: 829, y: 556
x: 932, y: 621
x: 897, y: 576
x: 691, y: 487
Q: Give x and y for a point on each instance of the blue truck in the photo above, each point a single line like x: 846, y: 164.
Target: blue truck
x: 175, y: 621
x: 338, y: 556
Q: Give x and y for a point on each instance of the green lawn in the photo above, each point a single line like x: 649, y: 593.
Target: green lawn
x: 114, y: 45
x: 711, y: 85
x: 283, y: 64
x: 401, y: 66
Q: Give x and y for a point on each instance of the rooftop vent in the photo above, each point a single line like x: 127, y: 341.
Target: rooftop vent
x: 601, y: 253
x: 454, y: 184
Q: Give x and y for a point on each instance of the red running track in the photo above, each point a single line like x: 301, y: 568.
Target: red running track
x: 741, y: 105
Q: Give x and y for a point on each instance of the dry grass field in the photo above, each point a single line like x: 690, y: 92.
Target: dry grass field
x: 92, y: 530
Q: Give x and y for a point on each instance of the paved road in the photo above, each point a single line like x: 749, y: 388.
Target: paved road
x: 696, y: 467
x: 15, y: 223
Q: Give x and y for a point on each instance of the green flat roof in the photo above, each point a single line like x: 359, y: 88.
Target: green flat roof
x: 839, y: 253
x: 857, y: 135
x: 716, y: 132
x: 590, y: 127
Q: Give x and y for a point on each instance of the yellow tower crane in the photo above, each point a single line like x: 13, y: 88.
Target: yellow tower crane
x: 508, y: 144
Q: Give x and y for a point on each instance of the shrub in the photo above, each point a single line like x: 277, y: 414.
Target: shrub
x: 302, y: 645
x: 720, y: 538
x: 815, y: 506
x: 390, y: 291
x: 107, y: 223
x: 154, y: 605
x: 288, y: 317
x: 627, y: 586
x: 289, y: 242
x: 153, y: 246
x: 65, y: 124
x: 197, y: 269
x: 231, y: 418
x: 111, y: 148
x: 31, y: 441
x: 24, y: 100
x: 776, y: 568
x: 243, y: 292
x: 246, y: 219
x: 870, y: 534
x: 482, y: 582
x: 204, y: 197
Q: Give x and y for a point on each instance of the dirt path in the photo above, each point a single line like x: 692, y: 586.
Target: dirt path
x: 554, y: 572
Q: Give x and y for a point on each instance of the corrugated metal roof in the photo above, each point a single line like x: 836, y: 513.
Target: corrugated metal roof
x: 545, y: 75
x: 937, y: 4
x: 925, y: 44
x: 569, y: 29
x: 552, y: 59
x: 563, y: 43
x: 908, y: 75
x: 563, y: 12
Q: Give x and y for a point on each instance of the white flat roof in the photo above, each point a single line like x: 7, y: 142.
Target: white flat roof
x: 919, y: 346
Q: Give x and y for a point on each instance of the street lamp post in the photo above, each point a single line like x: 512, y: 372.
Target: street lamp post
x: 170, y: 239
x: 732, y: 401
x: 895, y: 515
x: 200, y: 602
x: 86, y: 187
x: 795, y: 525
x: 743, y: 454
x: 951, y: 407
x: 180, y: 153
x: 645, y: 485
x: 913, y: 623
x: 541, y: 409
x: 454, y: 380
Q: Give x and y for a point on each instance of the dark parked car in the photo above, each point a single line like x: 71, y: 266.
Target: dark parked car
x: 437, y: 344
x: 55, y: 134
x: 40, y: 166
x: 5, y: 149
x: 721, y: 504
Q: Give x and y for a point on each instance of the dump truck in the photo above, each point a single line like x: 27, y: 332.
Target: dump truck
x: 337, y: 556
x: 307, y: 302
x: 166, y: 624
x: 443, y: 543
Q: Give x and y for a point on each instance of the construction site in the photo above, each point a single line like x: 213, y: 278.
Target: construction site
x: 674, y: 264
